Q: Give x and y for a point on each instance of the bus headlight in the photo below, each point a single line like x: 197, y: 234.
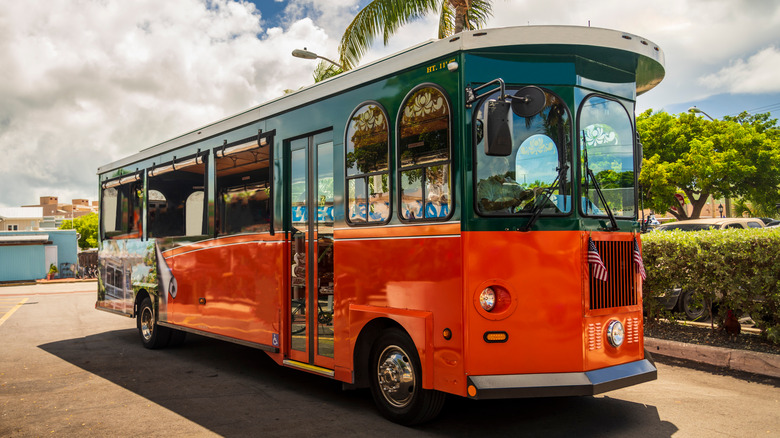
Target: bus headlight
x: 615, y: 334
x: 487, y: 299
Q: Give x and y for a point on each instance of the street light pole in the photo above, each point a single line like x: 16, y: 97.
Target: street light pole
x: 305, y: 54
x: 695, y: 110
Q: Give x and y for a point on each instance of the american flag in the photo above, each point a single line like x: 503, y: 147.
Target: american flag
x: 640, y: 266
x: 594, y: 259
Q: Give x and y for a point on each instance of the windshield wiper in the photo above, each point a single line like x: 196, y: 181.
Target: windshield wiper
x: 612, y: 221
x: 589, y: 173
x: 539, y: 206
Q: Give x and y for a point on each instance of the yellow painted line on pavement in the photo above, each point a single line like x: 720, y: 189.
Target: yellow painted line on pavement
x: 13, y: 309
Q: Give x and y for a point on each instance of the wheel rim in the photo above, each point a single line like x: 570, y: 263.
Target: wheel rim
x: 395, y: 375
x: 147, y: 324
x: 693, y: 310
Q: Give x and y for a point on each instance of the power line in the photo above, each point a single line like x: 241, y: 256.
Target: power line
x: 765, y: 108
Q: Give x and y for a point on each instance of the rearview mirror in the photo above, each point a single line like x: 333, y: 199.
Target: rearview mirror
x: 499, y: 133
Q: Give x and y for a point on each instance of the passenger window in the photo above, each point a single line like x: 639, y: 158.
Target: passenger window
x: 243, y: 189
x: 754, y: 225
x: 121, y: 201
x: 424, y: 155
x: 368, y: 199
x: 176, y: 199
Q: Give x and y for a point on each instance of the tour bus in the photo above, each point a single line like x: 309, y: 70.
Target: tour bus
x: 457, y: 218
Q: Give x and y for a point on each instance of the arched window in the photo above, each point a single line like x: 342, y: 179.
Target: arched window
x: 538, y: 168
x: 424, y: 157
x: 607, y: 153
x: 368, y: 185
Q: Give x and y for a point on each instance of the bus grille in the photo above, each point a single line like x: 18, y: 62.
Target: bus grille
x: 620, y: 288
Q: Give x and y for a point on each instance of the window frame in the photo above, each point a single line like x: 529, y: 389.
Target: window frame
x: 365, y: 176
x: 204, y: 158
x: 139, y: 176
x: 399, y: 169
x: 632, y: 123
x: 475, y: 174
x: 262, y: 140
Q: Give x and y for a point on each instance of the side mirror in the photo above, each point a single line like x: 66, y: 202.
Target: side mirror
x: 499, y: 133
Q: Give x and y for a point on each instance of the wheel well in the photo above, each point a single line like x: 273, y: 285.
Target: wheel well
x: 139, y: 298
x: 365, y: 340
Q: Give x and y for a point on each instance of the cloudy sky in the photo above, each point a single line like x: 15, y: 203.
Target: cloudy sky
x: 86, y: 82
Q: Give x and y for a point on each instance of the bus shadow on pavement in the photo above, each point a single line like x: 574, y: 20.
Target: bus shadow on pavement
x: 233, y: 390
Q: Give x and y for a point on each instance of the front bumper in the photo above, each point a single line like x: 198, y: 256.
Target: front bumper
x: 562, y: 384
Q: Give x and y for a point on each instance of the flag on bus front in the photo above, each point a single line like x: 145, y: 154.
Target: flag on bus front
x: 640, y: 266
x: 594, y: 259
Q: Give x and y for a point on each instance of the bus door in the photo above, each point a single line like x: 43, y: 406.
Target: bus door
x: 309, y: 204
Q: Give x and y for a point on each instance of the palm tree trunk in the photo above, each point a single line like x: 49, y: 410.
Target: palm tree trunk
x: 461, y: 9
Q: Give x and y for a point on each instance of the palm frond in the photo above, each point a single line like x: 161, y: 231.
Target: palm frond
x: 446, y: 20
x: 325, y: 70
x: 385, y: 16
x: 478, y: 14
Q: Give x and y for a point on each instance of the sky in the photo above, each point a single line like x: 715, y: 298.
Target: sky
x: 86, y: 82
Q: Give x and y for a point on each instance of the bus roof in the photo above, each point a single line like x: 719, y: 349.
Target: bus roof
x: 647, y: 62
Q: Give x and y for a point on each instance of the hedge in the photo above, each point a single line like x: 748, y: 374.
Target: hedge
x: 737, y: 269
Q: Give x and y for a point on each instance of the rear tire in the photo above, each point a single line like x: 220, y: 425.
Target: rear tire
x: 152, y: 335
x: 396, y: 381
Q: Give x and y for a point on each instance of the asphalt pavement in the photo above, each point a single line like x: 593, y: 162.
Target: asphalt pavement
x: 764, y: 364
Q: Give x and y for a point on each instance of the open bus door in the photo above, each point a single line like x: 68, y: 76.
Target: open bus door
x: 309, y: 207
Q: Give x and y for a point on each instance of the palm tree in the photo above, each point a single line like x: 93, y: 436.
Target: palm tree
x: 387, y: 16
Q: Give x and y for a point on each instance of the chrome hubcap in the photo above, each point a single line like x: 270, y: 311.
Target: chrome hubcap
x: 147, y: 324
x: 396, y: 376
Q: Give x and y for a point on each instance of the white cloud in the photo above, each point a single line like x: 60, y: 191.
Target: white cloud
x: 759, y: 74
x: 79, y: 90
x: 86, y: 82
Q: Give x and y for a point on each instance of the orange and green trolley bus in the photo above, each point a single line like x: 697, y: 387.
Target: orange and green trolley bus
x: 459, y: 218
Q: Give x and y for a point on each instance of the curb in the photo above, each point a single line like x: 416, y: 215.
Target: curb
x: 739, y: 360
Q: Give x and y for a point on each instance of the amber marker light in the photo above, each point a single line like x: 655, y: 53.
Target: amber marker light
x: 447, y: 333
x: 495, y: 337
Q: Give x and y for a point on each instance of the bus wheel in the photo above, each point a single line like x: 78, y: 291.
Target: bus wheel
x: 152, y: 335
x: 396, y: 381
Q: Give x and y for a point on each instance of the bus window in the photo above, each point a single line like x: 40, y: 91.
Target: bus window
x: 174, y: 193
x: 541, y: 146
x: 121, y: 201
x: 243, y: 189
x: 607, y: 142
x: 424, y: 155
x: 367, y: 154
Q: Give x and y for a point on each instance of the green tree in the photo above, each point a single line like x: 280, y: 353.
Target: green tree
x: 385, y: 17
x: 87, y: 227
x: 697, y: 158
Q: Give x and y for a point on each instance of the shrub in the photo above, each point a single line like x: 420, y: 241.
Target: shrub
x: 738, y: 269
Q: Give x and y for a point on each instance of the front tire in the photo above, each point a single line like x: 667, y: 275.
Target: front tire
x: 396, y: 381
x: 152, y: 335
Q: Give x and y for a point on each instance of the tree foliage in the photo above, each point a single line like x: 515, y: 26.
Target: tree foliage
x: 385, y: 17
x: 87, y: 227
x: 737, y: 157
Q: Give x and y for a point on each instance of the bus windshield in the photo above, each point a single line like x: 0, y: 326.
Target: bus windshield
x: 607, y: 149
x: 541, y: 146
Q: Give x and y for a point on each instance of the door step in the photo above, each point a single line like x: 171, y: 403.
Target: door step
x: 308, y: 367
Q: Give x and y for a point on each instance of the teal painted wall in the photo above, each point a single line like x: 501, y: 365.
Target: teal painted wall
x: 27, y: 262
